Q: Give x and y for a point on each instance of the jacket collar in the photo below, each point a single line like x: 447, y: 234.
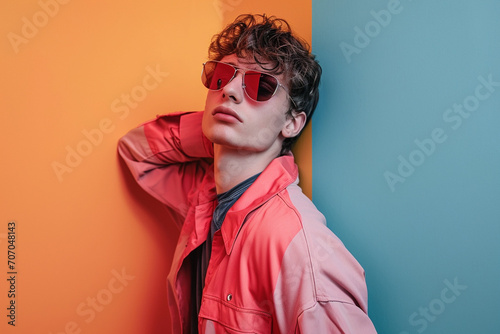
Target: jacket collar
x: 279, y: 174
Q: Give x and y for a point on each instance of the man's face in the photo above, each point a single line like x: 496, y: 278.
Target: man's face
x: 234, y: 120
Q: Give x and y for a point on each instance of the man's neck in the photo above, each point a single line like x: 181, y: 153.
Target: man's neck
x: 233, y: 166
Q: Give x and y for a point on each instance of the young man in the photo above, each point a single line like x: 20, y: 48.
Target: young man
x: 254, y: 254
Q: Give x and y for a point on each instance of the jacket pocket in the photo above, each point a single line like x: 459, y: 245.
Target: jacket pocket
x: 219, y: 316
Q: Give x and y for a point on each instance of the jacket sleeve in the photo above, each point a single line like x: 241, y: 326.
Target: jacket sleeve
x: 168, y: 157
x: 335, y: 318
x: 340, y: 303
x: 325, y: 289
x: 321, y: 287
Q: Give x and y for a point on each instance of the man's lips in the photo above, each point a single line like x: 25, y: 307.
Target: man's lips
x: 226, y: 113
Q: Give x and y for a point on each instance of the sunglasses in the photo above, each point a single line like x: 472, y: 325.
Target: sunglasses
x: 257, y: 85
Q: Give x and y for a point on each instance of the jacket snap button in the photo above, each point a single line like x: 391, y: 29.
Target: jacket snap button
x: 229, y: 297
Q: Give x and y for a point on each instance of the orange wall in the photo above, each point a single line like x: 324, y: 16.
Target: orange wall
x: 75, y: 80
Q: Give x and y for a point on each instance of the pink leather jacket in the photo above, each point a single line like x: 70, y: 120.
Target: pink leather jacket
x: 275, y: 266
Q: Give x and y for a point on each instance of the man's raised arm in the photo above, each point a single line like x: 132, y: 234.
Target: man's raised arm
x: 168, y: 156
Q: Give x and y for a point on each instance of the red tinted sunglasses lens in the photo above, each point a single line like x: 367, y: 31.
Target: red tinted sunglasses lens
x: 260, y: 86
x: 216, y: 75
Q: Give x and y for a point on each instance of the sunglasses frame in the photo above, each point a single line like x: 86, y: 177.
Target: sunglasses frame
x: 243, y: 71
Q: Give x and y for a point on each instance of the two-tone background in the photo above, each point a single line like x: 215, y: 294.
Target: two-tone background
x: 403, y: 157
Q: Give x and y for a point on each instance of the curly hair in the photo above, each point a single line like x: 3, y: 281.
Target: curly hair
x: 270, y: 42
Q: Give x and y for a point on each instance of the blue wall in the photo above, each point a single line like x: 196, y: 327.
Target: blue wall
x: 406, y: 156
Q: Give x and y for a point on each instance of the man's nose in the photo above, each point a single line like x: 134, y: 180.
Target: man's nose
x: 234, y: 88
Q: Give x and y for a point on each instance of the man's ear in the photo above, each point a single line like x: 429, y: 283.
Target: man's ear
x: 294, y: 124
